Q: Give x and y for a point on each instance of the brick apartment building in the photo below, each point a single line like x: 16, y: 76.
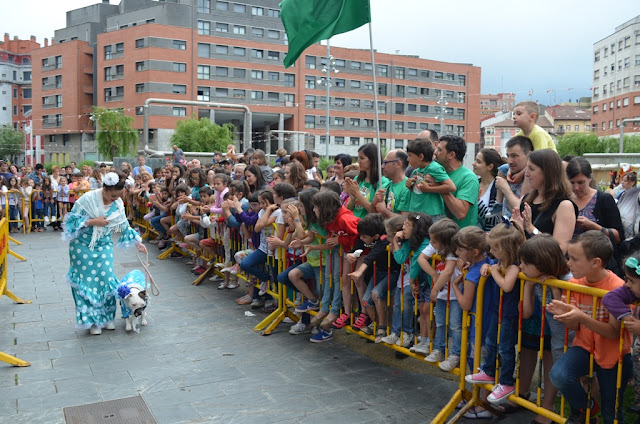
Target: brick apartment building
x: 490, y: 104
x: 616, y: 80
x: 232, y: 52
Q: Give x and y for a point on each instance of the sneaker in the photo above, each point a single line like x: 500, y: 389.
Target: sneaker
x: 257, y: 303
x: 221, y: 265
x: 341, y: 321
x: 474, y: 414
x: 322, y: 336
x: 95, y: 330
x: 223, y: 285
x: 299, y: 328
x: 390, y: 339
x: 264, y: 286
x: 580, y: 416
x: 435, y: 356
x: 362, y: 321
x: 500, y: 393
x: 175, y: 255
x: 480, y: 378
x: 308, y: 305
x: 450, y: 363
x: 110, y: 326
x: 234, y: 269
x: 368, y: 329
x: 422, y: 347
x: 199, y: 270
x: 405, y: 341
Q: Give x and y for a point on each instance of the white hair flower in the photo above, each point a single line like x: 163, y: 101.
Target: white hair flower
x: 111, y: 179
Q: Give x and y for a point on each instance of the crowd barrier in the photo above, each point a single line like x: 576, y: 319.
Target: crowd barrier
x: 4, y: 290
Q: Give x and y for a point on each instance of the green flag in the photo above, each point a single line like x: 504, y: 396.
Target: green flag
x: 309, y: 21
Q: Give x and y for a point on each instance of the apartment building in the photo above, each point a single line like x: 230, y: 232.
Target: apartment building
x: 569, y: 119
x: 15, y: 80
x: 491, y: 104
x: 616, y: 80
x: 231, y: 52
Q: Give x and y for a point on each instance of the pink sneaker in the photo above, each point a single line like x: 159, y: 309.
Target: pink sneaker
x: 480, y: 378
x: 234, y: 269
x: 500, y: 393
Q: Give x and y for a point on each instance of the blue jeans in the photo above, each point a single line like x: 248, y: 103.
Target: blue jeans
x: 155, y: 223
x: 308, y: 272
x: 38, y: 214
x: 331, y: 295
x: 506, y: 348
x: 49, y: 209
x: 13, y: 215
x: 381, y: 288
x: 455, y: 326
x: 254, y: 265
x: 566, y: 372
x: 403, y: 319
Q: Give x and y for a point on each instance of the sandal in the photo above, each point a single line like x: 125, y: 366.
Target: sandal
x: 341, y: 321
x: 244, y: 300
x: 233, y: 285
x: 474, y: 414
x: 382, y: 332
x: 222, y: 285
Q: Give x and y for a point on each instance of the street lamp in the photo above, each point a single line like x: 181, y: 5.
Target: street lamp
x: 329, y: 67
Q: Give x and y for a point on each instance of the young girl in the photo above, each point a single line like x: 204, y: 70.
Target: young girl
x: 294, y: 174
x: 49, y: 200
x: 446, y: 269
x: 192, y: 241
x: 540, y: 258
x: 13, y: 200
x: 26, y: 189
x: 362, y: 190
x: 278, y: 177
x: 38, y: 208
x: 260, y: 159
x: 504, y: 241
x: 413, y: 237
x: 342, y: 226
x: 3, y: 197
x: 220, y: 189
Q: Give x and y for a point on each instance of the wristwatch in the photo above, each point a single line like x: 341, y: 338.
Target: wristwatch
x: 535, y: 232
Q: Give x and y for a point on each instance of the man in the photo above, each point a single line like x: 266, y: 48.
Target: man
x: 227, y: 166
x: 462, y: 204
x: 178, y: 155
x: 38, y: 174
x: 4, y: 171
x: 511, y: 188
x: 74, y: 168
x: 394, y: 199
x: 141, y: 166
x: 193, y: 164
x: 430, y: 135
x: 103, y: 169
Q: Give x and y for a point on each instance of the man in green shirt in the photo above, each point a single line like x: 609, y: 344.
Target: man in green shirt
x: 394, y: 199
x: 462, y: 204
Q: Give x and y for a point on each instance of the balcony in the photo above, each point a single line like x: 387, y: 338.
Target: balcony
x: 87, y: 70
x: 87, y: 89
x: 51, y: 106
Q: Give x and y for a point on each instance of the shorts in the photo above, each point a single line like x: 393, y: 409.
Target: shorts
x: 208, y: 242
x: 183, y: 226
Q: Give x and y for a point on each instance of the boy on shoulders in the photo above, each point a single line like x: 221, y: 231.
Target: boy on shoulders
x: 525, y: 116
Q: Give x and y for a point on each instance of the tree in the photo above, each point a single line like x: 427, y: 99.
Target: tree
x: 202, y: 135
x: 580, y: 143
x: 10, y: 142
x: 115, y: 135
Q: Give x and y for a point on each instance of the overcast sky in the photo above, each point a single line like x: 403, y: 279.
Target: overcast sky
x: 544, y: 46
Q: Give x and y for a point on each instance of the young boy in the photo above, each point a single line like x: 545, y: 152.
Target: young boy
x: 525, y: 116
x: 426, y: 197
x: 588, y: 254
x: 38, y: 208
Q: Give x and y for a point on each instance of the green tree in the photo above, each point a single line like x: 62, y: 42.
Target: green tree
x: 10, y: 142
x: 115, y: 136
x: 202, y: 135
x: 580, y: 143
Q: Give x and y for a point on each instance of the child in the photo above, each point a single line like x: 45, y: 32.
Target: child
x: 413, y: 237
x: 540, y: 258
x: 278, y: 177
x: 525, y: 115
x: 426, y: 197
x: 180, y: 205
x: 220, y: 189
x: 342, y: 226
x: 504, y: 241
x: 26, y: 189
x: 192, y: 241
x: 373, y: 238
x: 13, y: 200
x: 63, y: 201
x: 38, y: 208
x: 3, y: 197
x: 281, y: 192
x: 617, y: 301
x: 49, y: 200
x: 246, y: 218
x: 441, y: 235
x: 589, y: 253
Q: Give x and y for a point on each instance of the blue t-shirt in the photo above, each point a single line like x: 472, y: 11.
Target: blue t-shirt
x: 490, y: 301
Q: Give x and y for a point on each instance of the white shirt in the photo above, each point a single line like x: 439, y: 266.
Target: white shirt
x: 429, y: 251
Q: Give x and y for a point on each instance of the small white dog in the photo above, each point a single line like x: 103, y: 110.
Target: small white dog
x: 133, y: 300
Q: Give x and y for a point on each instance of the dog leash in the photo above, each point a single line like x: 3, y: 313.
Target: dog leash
x: 150, y: 284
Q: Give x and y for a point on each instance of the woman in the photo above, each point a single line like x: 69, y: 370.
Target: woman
x: 303, y: 158
x: 363, y: 188
x: 253, y: 177
x: 628, y: 205
x: 13, y: 169
x: 95, y: 182
x: 596, y: 210
x: 88, y: 228
x: 340, y: 162
x: 295, y: 175
x: 86, y: 172
x: 547, y: 208
x: 486, y: 168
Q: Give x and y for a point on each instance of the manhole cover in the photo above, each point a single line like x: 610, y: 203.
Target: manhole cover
x: 131, y: 410
x: 133, y: 265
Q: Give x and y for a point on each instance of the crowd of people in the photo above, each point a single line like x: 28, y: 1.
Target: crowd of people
x: 533, y: 214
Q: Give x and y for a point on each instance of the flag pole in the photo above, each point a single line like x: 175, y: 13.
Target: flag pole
x: 375, y: 106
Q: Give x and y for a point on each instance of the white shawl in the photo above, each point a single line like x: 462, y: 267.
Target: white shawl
x: 93, y: 205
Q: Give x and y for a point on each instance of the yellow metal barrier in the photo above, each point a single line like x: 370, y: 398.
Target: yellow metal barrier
x: 4, y: 250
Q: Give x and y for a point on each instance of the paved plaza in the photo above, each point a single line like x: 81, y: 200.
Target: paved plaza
x: 198, y: 360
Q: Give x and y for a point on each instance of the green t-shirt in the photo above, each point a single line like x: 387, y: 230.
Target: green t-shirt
x: 467, y: 189
x: 398, y: 197
x: 313, y: 258
x: 429, y: 203
x: 368, y: 191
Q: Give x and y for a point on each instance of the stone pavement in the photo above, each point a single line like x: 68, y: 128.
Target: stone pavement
x: 198, y: 360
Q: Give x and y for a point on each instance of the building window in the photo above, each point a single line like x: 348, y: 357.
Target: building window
x: 222, y: 49
x: 256, y: 74
x: 273, y: 13
x: 309, y: 121
x: 107, y: 54
x: 204, y: 6
x: 273, y: 34
x: 239, y: 29
x: 239, y: 8
x: 239, y: 51
x: 139, y: 66
x: 59, y: 58
x: 259, y: 54
x: 354, y: 84
x: 354, y: 122
x: 368, y: 85
x: 222, y: 92
x: 289, y: 99
x: 382, y: 70
x: 26, y: 94
x: 26, y: 75
x: 339, y: 101
x: 412, y: 108
x: 257, y: 11
x: 400, y: 73
x: 257, y: 32
x: 625, y: 101
x: 220, y: 27
x: 310, y: 83
x: 139, y: 88
x: 45, y: 61
x: 338, y: 140
x: 222, y: 71
x: 424, y: 108
x: 340, y: 63
x: 204, y: 50
x: 239, y: 73
x: 310, y: 62
x: 355, y: 103
x: 310, y: 102
x: 273, y: 76
x: 257, y: 95
x: 272, y: 95
x: 204, y: 27
x: 354, y: 141
x: 204, y: 72
x: 338, y: 121
x: 179, y: 67
x: 399, y: 126
x: 179, y: 45
x: 340, y: 82
x: 139, y: 43
x: 179, y: 111
x: 271, y: 55
x: 289, y: 80
x: 238, y: 94
x: 204, y: 94
x: 222, y: 5
x: 58, y: 81
x: 179, y: 89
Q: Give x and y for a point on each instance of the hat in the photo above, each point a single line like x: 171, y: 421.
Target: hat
x: 223, y: 161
